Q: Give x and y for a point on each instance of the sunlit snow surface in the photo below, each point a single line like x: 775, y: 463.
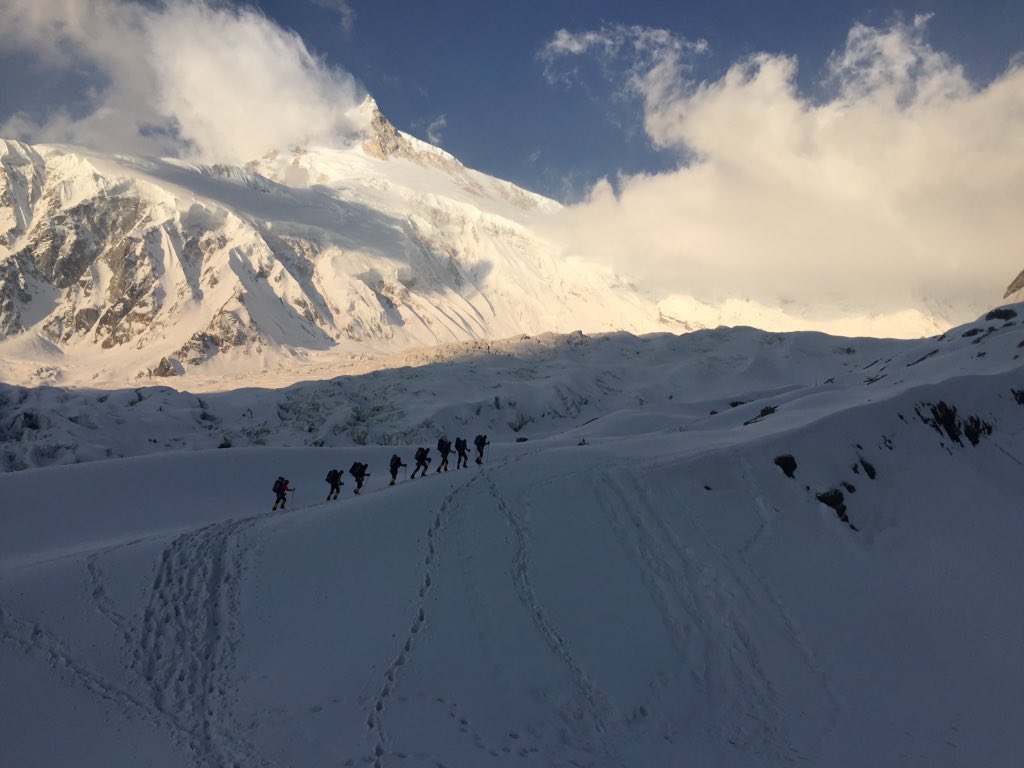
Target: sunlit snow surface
x: 637, y: 584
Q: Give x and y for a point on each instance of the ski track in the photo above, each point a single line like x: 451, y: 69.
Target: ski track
x: 520, y: 741
x: 697, y: 594
x: 764, y: 589
x: 669, y: 587
x: 764, y: 515
x: 696, y: 608
x: 586, y: 721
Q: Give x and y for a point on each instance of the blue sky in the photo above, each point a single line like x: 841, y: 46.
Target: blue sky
x: 829, y: 156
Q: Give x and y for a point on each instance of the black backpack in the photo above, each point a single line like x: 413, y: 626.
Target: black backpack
x: 396, y: 461
x: 332, y: 477
x: 460, y: 444
x: 421, y: 454
x: 355, y: 468
x: 279, y: 484
x: 480, y: 441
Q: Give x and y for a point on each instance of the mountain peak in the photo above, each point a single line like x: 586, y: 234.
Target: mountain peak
x: 382, y: 138
x: 384, y: 141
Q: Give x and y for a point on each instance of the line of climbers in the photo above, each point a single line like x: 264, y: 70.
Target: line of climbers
x: 360, y: 472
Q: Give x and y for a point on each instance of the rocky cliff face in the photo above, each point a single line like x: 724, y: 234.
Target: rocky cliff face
x: 94, y: 259
x: 21, y: 179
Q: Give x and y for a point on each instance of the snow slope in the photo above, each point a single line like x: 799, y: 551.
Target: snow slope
x: 639, y: 583
x: 525, y: 386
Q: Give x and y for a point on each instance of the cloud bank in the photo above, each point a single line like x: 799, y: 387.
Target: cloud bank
x: 220, y: 83
x: 903, y: 190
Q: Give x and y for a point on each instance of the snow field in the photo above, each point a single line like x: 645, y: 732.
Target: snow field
x: 590, y: 604
x: 638, y: 584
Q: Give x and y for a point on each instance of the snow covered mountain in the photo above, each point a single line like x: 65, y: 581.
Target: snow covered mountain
x: 725, y: 548
x: 115, y: 268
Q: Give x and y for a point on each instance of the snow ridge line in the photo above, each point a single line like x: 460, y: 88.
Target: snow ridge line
x: 593, y: 704
x: 189, y: 634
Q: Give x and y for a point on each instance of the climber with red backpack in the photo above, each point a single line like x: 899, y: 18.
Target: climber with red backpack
x: 281, y: 489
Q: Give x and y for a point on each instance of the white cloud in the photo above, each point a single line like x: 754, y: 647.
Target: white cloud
x: 434, y: 130
x: 221, y: 83
x: 907, y: 183
x: 645, y: 56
